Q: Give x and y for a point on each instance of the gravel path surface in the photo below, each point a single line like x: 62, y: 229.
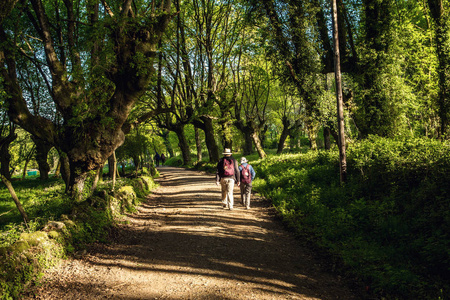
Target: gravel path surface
x: 181, y: 244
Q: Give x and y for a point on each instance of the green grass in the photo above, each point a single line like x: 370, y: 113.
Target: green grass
x: 86, y: 222
x: 40, y: 199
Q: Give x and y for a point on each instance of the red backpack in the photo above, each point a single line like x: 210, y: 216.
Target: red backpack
x: 228, y: 167
x: 246, y: 176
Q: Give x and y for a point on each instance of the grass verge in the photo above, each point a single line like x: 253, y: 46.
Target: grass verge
x: 59, y: 227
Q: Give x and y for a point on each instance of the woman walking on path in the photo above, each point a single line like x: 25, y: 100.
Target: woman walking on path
x: 247, y: 176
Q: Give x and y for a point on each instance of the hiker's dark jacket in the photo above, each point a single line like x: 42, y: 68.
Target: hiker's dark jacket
x: 219, y: 173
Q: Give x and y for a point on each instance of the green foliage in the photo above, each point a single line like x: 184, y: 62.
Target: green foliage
x: 23, y: 263
x: 24, y: 256
x: 204, y: 166
x: 389, y: 224
x: 174, y: 161
x: 92, y: 225
x: 11, y: 232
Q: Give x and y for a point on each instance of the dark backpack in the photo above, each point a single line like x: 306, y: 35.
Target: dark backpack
x: 246, y: 176
x: 228, y: 167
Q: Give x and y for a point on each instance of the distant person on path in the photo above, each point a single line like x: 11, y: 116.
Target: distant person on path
x: 163, y: 158
x: 227, y: 174
x: 157, y: 159
x: 247, y: 176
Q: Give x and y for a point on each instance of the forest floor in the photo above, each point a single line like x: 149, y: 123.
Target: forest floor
x: 181, y: 244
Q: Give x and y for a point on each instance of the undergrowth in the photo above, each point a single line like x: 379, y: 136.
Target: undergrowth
x: 86, y: 222
x: 389, y: 224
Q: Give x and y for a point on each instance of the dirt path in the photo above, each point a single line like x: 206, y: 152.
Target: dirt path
x: 183, y: 245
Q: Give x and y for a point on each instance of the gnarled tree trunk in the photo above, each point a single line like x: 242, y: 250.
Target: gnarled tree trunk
x: 198, y: 144
x: 210, y: 140
x: 92, y: 127
x: 183, y: 144
x: 5, y: 157
x: 284, y: 135
x: 42, y: 149
x: 112, y: 168
x: 258, y: 145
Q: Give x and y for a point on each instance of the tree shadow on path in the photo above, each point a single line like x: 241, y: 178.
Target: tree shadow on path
x: 183, y: 245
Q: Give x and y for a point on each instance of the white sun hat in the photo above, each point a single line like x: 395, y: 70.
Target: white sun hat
x: 227, y: 151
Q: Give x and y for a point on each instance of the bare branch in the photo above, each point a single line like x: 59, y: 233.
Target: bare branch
x: 107, y: 8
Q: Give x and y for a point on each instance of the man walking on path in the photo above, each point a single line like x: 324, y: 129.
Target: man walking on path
x: 247, y: 176
x: 227, y: 174
x: 157, y: 159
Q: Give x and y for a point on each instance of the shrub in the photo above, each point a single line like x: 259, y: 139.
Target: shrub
x: 174, y: 161
x: 389, y: 224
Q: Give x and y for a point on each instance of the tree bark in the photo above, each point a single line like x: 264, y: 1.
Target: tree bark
x: 210, y: 139
x: 65, y: 168
x: 262, y: 154
x: 111, y: 161
x: 227, y: 136
x: 5, y: 157
x: 262, y: 134
x: 311, y: 129
x: 112, y: 169
x: 183, y: 144
x: 340, y: 103
x: 58, y: 169
x: 198, y: 144
x: 284, y: 135
x: 42, y: 149
x: 28, y: 157
x: 326, y: 137
x: 98, y: 176
x: 248, y: 141
x: 247, y: 132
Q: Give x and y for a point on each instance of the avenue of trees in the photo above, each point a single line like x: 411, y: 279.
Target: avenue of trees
x: 80, y: 75
x: 85, y: 83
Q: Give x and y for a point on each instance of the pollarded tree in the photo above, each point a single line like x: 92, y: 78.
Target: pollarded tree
x: 98, y: 59
x: 171, y: 96
x: 215, y: 29
x: 188, y: 72
x: 286, y: 106
x: 40, y: 102
x: 251, y: 106
x: 295, y: 51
